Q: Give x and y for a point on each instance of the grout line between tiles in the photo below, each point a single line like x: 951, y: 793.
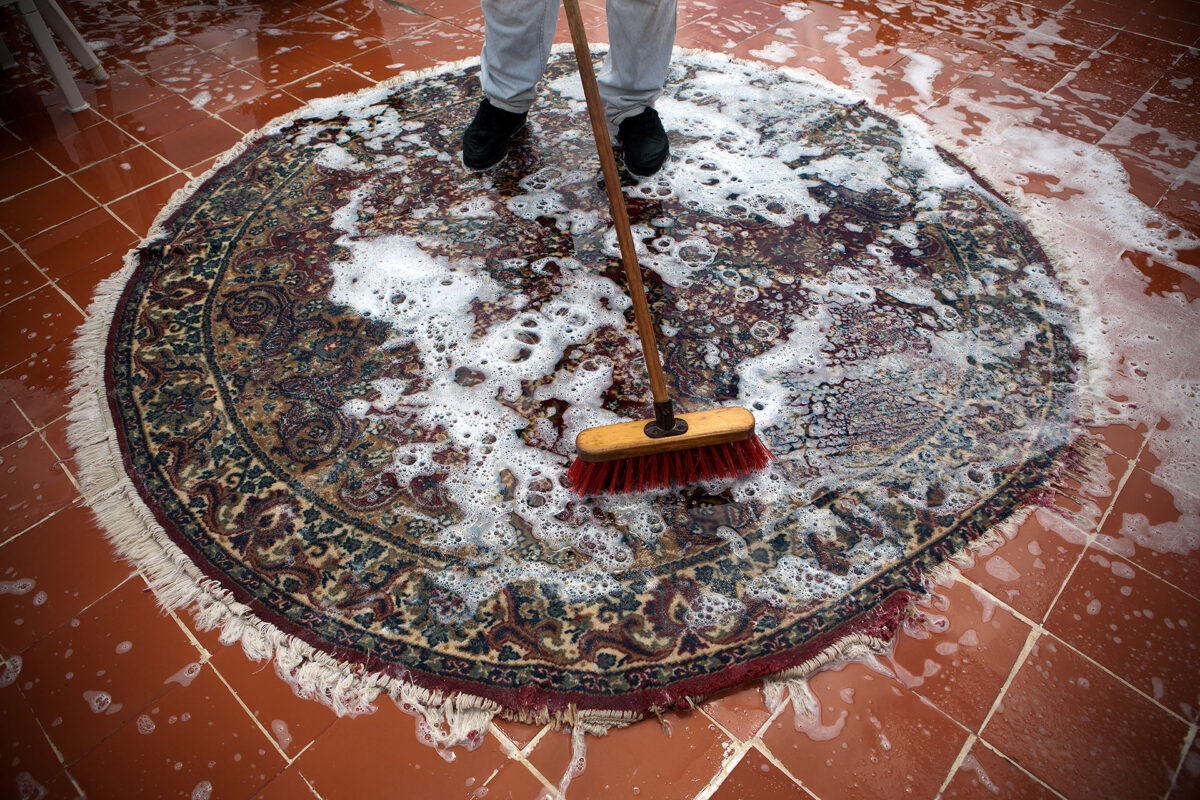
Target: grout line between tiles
x: 1188, y: 741
x: 1018, y: 765
x: 729, y: 762
x: 1041, y: 630
x: 761, y: 747
x: 274, y: 742
x: 958, y: 762
x: 1026, y: 649
x: 307, y: 782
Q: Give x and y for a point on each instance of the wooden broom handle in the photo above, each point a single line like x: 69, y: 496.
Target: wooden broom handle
x: 616, y: 203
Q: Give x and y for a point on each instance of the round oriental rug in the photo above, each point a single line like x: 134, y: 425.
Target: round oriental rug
x: 332, y: 397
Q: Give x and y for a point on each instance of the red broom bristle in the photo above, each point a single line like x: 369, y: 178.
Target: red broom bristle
x: 663, y: 470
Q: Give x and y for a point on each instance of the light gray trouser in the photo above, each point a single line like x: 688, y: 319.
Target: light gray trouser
x: 518, y: 35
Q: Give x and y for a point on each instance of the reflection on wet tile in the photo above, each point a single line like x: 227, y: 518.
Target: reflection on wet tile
x: 755, y: 776
x: 741, y: 711
x: 293, y: 721
x: 344, y: 763
x: 194, y: 741
x: 677, y: 759
x: 1081, y: 731
x: 1114, y: 612
x: 53, y: 589
x: 962, y: 654
x: 869, y: 737
x: 39, y: 385
x: 98, y: 671
x: 985, y: 775
x: 1027, y: 571
x: 33, y: 485
x: 1156, y: 530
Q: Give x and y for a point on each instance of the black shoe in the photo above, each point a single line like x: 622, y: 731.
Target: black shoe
x: 645, y: 143
x: 485, y: 142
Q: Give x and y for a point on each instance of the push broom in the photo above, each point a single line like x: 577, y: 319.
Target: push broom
x: 670, y: 449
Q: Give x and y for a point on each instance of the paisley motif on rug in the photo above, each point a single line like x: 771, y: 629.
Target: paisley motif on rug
x: 344, y: 376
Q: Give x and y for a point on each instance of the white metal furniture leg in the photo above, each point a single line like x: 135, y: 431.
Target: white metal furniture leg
x: 69, y: 34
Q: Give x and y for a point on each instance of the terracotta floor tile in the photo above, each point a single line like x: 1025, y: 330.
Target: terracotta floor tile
x: 197, y: 142
x: 873, y: 738
x: 963, y: 663
x: 286, y: 68
x: 169, y: 114
x: 219, y: 92
x: 72, y: 150
x: 39, y: 384
x: 1182, y: 203
x: 1177, y: 87
x: 327, y: 83
x: 741, y: 711
x: 122, y: 174
x: 1027, y: 571
x: 985, y: 775
x: 33, y: 485
x: 295, y: 722
x: 256, y: 113
x: 24, y: 170
x: 1121, y: 439
x: 58, y: 587
x: 287, y: 785
x: 344, y: 763
x: 1115, y: 613
x: 755, y: 776
x: 81, y: 284
x: 385, y: 21
x: 79, y: 242
x: 1113, y: 78
x: 148, y: 59
x: 27, y: 761
x: 1147, y: 526
x: 18, y: 277
x: 193, y: 741
x: 519, y: 733
x: 140, y: 209
x: 674, y: 766
x: 13, y: 425
x: 55, y: 436
x: 1187, y: 781
x: 99, y: 671
x: 418, y: 49
x: 1143, y: 48
x: 32, y: 323
x: 42, y: 207
x: 191, y: 73
x: 323, y: 36
x: 1102, y: 12
x: 1082, y: 732
x: 125, y: 91
x: 1167, y: 29
x: 514, y: 781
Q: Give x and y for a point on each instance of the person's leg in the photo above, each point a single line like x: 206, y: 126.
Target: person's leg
x: 517, y: 38
x: 518, y: 35
x: 640, y: 34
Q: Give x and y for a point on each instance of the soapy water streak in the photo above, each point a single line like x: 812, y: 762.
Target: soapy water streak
x: 740, y: 156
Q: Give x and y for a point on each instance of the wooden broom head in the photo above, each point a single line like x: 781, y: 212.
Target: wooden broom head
x: 629, y: 439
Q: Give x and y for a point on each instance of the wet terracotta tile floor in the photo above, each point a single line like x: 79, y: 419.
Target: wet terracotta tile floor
x: 1061, y: 664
